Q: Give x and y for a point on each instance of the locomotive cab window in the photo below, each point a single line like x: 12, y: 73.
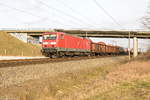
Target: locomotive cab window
x: 50, y: 37
x: 61, y: 36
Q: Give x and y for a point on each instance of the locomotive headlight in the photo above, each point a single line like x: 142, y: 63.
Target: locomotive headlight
x: 53, y: 43
x: 45, y: 43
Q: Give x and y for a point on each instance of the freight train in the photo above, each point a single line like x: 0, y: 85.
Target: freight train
x: 59, y: 44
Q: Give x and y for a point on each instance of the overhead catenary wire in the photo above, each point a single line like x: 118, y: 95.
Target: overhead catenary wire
x: 73, y: 10
x: 115, y: 21
x: 64, y: 13
x: 20, y: 10
x: 55, y: 22
x: 26, y: 12
x: 109, y: 15
x: 73, y: 17
x: 60, y: 23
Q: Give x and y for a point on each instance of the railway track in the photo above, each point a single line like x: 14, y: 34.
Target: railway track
x: 21, y: 62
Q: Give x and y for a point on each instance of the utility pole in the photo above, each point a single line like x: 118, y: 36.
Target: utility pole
x: 86, y: 34
x: 129, y: 54
x: 135, y: 47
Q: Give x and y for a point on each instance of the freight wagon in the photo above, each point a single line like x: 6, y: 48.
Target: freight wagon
x: 101, y: 48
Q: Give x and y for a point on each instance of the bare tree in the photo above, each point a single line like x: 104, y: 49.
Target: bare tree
x: 146, y: 24
x: 146, y: 19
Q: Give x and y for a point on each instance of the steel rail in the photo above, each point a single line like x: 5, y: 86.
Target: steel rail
x: 22, y: 62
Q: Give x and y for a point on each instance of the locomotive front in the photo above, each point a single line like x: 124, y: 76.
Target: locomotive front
x: 49, y: 43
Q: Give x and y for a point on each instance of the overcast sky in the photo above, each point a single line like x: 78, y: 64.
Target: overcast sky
x: 75, y: 14
x: 72, y: 13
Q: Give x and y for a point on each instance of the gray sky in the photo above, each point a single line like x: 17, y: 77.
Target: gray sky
x: 75, y: 14
x: 71, y: 13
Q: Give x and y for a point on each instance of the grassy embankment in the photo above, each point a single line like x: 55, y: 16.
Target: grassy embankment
x: 10, y: 46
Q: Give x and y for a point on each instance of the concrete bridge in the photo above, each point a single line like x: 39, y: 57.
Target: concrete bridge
x: 95, y: 33
x: 108, y: 34
x: 90, y: 33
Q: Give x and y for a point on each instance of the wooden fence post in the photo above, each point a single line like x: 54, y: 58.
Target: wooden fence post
x: 5, y: 52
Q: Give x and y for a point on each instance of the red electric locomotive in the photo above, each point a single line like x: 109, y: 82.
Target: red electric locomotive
x: 60, y: 44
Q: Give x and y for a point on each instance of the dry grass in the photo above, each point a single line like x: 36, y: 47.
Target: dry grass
x: 130, y: 81
x: 63, y: 86
x: 55, y: 81
x: 10, y: 46
x: 139, y: 90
